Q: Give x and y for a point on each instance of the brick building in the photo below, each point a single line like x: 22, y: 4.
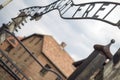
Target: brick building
x: 46, y: 50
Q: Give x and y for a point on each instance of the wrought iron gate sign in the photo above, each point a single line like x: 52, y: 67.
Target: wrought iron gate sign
x: 103, y: 11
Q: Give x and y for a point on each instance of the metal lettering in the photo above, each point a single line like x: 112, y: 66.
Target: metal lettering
x: 50, y: 7
x: 67, y: 6
x: 46, y: 9
x: 78, y: 10
x: 53, y: 6
x: 91, y: 6
x: 100, y: 9
x: 61, y: 3
x: 110, y: 11
x: 67, y: 9
x: 64, y: 6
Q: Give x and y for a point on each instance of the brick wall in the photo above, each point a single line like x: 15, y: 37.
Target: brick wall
x: 30, y: 67
x: 6, y: 76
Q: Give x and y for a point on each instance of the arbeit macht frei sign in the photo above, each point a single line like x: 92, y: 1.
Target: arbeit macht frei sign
x: 103, y: 11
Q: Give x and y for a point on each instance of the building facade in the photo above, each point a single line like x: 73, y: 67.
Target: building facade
x: 45, y: 49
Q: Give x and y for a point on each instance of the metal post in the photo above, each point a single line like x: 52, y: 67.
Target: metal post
x: 5, y: 3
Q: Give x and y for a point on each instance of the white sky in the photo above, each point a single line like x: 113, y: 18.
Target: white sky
x: 79, y: 35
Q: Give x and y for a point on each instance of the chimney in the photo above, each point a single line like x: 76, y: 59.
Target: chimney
x: 63, y: 45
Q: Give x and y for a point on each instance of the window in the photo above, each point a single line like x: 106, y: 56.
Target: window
x: 44, y: 71
x: 8, y: 48
x: 21, y: 54
x: 27, y: 59
x: 28, y: 56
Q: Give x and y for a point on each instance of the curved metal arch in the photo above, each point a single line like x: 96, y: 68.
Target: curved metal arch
x: 114, y: 24
x: 41, y: 10
x: 98, y: 3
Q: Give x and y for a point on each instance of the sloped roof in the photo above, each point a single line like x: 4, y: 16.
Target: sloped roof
x: 58, y: 56
x: 39, y: 35
x: 13, y: 41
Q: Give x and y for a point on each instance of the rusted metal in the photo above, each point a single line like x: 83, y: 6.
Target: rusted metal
x: 78, y: 63
x: 116, y: 57
x: 86, y: 64
x: 65, y: 6
x: 105, y: 49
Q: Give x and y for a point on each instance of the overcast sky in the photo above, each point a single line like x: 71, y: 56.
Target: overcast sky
x: 79, y: 35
